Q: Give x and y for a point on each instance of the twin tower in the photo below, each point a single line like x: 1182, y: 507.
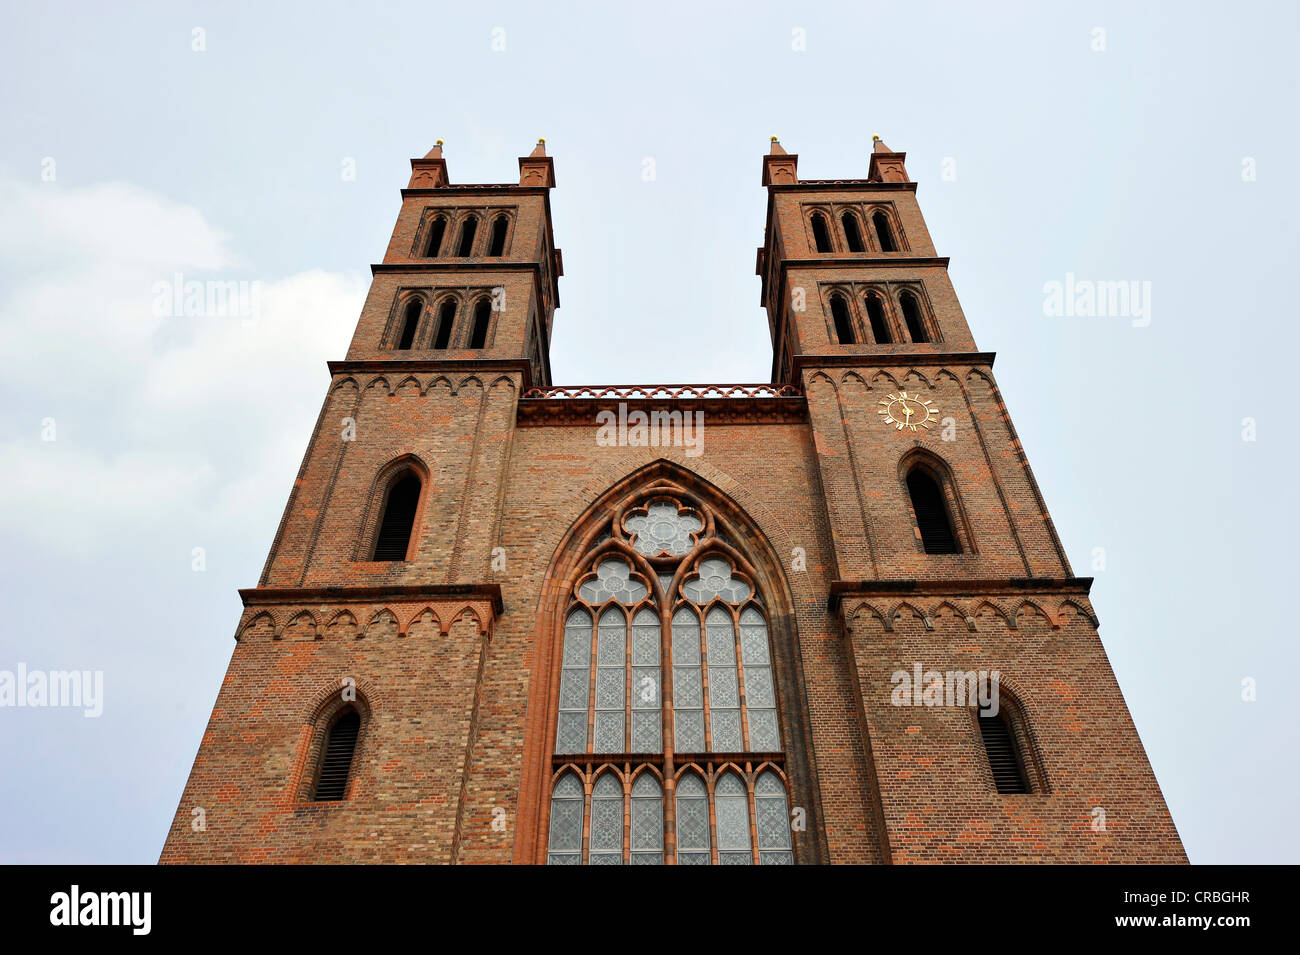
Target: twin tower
x: 841, y: 628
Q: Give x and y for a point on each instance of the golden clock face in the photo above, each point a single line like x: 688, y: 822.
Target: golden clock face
x: 906, y: 411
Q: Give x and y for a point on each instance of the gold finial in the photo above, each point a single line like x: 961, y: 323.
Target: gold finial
x: 875, y: 139
x: 775, y: 140
x: 541, y: 140
x: 440, y: 142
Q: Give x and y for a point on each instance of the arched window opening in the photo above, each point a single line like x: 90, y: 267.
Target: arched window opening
x: 912, y: 317
x: 499, y: 228
x: 571, y: 728
x: 336, y: 760
x: 821, y: 234
x: 482, y: 318
x: 606, y: 821
x: 466, y: 244
x: 647, y: 836
x: 616, y: 647
x: 731, y: 803
x: 564, y: 845
x: 647, y: 721
x: 772, y: 815
x: 852, y: 237
x: 394, y: 538
x: 884, y: 235
x: 876, y: 316
x: 931, y: 513
x: 611, y: 676
x: 1003, y: 754
x: 843, y: 323
x: 446, y: 319
x: 436, y: 232
x: 693, y: 844
x: 724, y: 682
x: 688, y: 683
x: 410, y: 322
x: 760, y: 692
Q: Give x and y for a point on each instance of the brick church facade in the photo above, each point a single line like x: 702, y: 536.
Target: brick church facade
x: 825, y: 619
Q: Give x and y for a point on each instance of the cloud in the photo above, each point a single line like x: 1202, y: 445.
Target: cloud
x: 160, y: 419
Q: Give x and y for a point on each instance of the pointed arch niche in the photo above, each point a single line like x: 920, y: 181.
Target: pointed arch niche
x: 666, y: 651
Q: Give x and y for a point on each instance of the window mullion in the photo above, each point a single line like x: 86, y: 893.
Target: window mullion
x: 591, y: 686
x: 629, y: 634
x: 705, y: 710
x: 586, y: 820
x: 627, y: 809
x: 713, y: 816
x: 741, y: 688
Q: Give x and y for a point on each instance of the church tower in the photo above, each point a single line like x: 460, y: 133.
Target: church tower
x: 946, y: 560
x: 821, y: 619
x: 364, y: 642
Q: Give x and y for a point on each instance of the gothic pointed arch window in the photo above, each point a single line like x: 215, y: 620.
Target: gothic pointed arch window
x: 410, y: 322
x: 852, y: 234
x: 478, y: 334
x: 912, y: 316
x: 500, y: 227
x: 842, y: 320
x: 884, y: 234
x: 933, y: 521
x: 876, y: 317
x: 665, y: 677
x: 437, y: 230
x: 1007, y: 740
x: 467, y: 229
x: 446, y: 319
x: 397, y: 519
x: 336, y: 756
x: 1003, y: 754
x: 821, y: 233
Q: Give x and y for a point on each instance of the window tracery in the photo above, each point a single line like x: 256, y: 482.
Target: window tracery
x: 667, y: 713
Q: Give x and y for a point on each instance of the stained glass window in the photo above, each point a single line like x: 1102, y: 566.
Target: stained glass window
x: 611, y: 679
x: 715, y: 580
x: 647, y: 713
x: 732, y: 805
x: 773, y: 821
x: 575, y: 680
x: 621, y: 655
x: 564, y: 846
x: 613, y: 582
x: 692, y: 821
x: 647, y: 821
x: 688, y: 683
x: 760, y: 695
x: 606, y: 821
x: 724, y: 683
x: 663, y: 529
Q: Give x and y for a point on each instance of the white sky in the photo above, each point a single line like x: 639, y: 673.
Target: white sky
x: 176, y: 433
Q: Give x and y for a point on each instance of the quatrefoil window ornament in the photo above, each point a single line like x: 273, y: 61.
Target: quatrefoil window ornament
x: 664, y: 528
x: 613, y: 582
x: 715, y: 580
